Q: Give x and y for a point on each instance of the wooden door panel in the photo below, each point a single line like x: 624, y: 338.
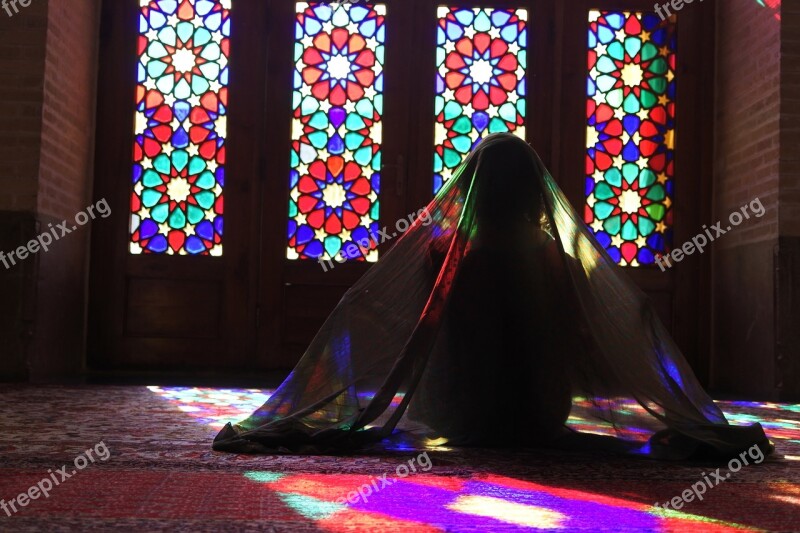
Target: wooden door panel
x: 162, y: 312
x: 296, y: 296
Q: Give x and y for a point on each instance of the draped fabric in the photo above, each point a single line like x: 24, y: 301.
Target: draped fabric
x: 493, y: 319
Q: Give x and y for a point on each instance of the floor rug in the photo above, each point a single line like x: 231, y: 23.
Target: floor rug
x: 140, y: 458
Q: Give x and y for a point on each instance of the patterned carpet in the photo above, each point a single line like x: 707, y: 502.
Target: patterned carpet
x: 160, y: 474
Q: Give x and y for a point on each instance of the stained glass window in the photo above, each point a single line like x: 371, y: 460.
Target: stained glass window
x: 180, y: 127
x: 630, y: 133
x: 481, y: 57
x: 336, y: 131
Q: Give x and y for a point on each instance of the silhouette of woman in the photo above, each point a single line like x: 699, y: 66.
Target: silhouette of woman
x: 493, y: 320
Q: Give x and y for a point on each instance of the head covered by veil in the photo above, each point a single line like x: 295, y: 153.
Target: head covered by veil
x: 497, y: 314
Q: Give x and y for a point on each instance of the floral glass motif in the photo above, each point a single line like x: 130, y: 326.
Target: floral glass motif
x: 180, y: 127
x: 481, y: 57
x: 630, y: 133
x: 336, y: 130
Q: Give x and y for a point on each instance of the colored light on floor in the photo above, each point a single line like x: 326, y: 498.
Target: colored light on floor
x: 511, y: 512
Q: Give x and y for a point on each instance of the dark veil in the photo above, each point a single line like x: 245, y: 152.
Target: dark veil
x: 488, y: 323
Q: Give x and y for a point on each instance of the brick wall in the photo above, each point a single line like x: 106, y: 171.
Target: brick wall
x: 68, y: 113
x: 756, y: 276
x: 48, y: 63
x: 747, y: 155
x: 65, y: 185
x: 22, y: 54
x: 746, y: 166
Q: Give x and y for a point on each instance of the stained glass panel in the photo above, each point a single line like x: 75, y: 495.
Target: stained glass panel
x: 180, y: 127
x: 630, y: 134
x: 336, y: 131
x: 481, y: 57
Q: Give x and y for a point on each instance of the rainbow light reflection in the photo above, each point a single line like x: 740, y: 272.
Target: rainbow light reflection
x: 426, y: 502
x: 216, y: 407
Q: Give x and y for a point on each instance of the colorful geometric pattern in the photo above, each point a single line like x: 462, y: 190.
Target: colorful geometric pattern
x: 481, y: 57
x: 630, y: 134
x: 180, y: 127
x: 337, y: 129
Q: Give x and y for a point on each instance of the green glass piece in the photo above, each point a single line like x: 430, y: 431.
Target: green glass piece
x: 497, y: 125
x: 656, y: 193
x: 451, y: 158
x: 363, y: 156
x: 151, y: 198
x: 319, y: 121
x: 160, y: 213
x: 318, y: 139
x: 162, y: 164
x: 632, y: 46
x: 616, y: 51
x: 603, y: 209
x: 177, y: 219
x: 354, y: 122
x: 151, y: 179
x: 614, y: 98
x: 156, y: 50
x: 629, y: 231
x: 205, y: 199
x: 646, y: 226
x: 180, y: 158
x: 613, y: 176
x: 646, y: 178
x: 656, y: 211
x: 648, y: 99
x: 353, y: 140
x: 167, y: 36
x: 211, y: 52
x: 184, y: 31
x: 606, y: 65
x: 194, y: 214
x: 612, y: 225
x: 649, y: 51
x: 508, y: 112
x: 452, y: 110
x: 365, y: 108
x: 605, y: 82
x: 631, y: 104
x: 658, y: 66
x: 199, y: 85
x: 462, y: 125
x: 202, y: 37
x: 462, y: 143
x: 658, y: 85
x: 482, y: 22
x: 603, y: 192
x: 155, y: 68
x: 332, y: 245
x: 182, y: 89
x: 630, y: 171
x: 206, y: 180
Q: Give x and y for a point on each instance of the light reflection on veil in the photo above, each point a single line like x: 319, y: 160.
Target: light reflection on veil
x: 489, y: 327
